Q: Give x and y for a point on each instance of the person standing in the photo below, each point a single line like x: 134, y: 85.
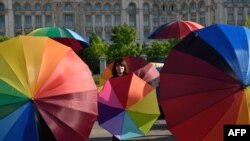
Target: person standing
x: 119, y: 69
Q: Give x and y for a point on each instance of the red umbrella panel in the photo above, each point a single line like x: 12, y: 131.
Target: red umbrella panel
x: 129, y: 103
x: 176, y: 30
x: 205, y: 83
x: 46, y: 91
x: 137, y: 65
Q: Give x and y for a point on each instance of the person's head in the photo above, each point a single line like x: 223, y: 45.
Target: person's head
x: 120, y: 67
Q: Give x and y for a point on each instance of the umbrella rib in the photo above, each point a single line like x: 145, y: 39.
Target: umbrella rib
x: 76, y: 72
x: 16, y: 95
x: 59, y: 120
x: 11, y: 69
x: 218, y: 119
x: 50, y: 102
x: 190, y: 117
x: 201, y: 76
x: 197, y: 92
x: 231, y: 47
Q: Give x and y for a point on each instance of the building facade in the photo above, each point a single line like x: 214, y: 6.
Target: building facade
x: 99, y: 16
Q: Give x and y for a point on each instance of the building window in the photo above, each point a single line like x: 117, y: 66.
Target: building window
x: 117, y: 7
x: 193, y: 6
x: 172, y: 8
x: 38, y: 21
x: 202, y: 19
x: 146, y: 33
x: 47, y: 7
x: 2, y: 21
x: 88, y: 35
x: 98, y: 7
x: 89, y: 21
x: 230, y: 17
x: 108, y: 20
x: 146, y: 8
x: 146, y: 20
x: 98, y: 20
x: 131, y: 7
x: 37, y: 7
x: 99, y: 34
x: 155, y: 21
x: 163, y: 20
x: 184, y: 16
x: 68, y: 7
x: 184, y: 7
x: 107, y: 36
x: 68, y: 20
x: 164, y: 7
x: 28, y: 22
x: 202, y: 5
x: 1, y: 7
x: 18, y: 22
x: 132, y: 15
x: 17, y: 7
x: 193, y: 17
x: 155, y: 9
x: 48, y: 20
x: 27, y: 7
x: 132, y: 20
x: 2, y: 17
x: 117, y: 20
x: 107, y: 7
x: 248, y: 12
x: 88, y: 7
x: 240, y: 12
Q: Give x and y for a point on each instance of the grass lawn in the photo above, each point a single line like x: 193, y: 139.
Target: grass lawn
x: 96, y: 79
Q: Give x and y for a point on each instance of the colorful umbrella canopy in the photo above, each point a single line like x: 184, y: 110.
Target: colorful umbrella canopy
x: 62, y: 35
x: 138, y: 65
x: 46, y: 92
x: 130, y: 104
x: 177, y: 30
x: 205, y: 83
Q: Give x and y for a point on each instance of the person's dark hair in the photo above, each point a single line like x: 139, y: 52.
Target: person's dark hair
x: 120, y: 62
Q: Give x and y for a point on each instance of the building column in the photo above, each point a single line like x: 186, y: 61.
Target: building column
x: 9, y: 18
x: 140, y: 26
x: 123, y: 11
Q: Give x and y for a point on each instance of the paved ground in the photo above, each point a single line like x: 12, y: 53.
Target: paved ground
x: 158, y: 132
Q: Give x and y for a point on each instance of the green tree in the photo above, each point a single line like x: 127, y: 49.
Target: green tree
x: 160, y: 49
x: 91, y: 54
x: 247, y: 22
x: 3, y: 38
x: 123, y: 42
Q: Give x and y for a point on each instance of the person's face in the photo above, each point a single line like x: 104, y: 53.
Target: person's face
x: 119, y: 69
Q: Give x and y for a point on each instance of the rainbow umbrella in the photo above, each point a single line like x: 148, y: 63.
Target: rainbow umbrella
x: 142, y: 68
x: 177, y: 29
x: 205, y: 83
x: 128, y: 107
x: 62, y: 35
x: 46, y: 91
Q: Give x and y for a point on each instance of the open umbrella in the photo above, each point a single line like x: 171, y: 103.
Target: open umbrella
x: 46, y: 92
x: 62, y: 35
x: 138, y: 65
x: 205, y: 83
x: 176, y: 30
x: 127, y: 107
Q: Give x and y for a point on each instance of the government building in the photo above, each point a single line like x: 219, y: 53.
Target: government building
x: 99, y: 16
